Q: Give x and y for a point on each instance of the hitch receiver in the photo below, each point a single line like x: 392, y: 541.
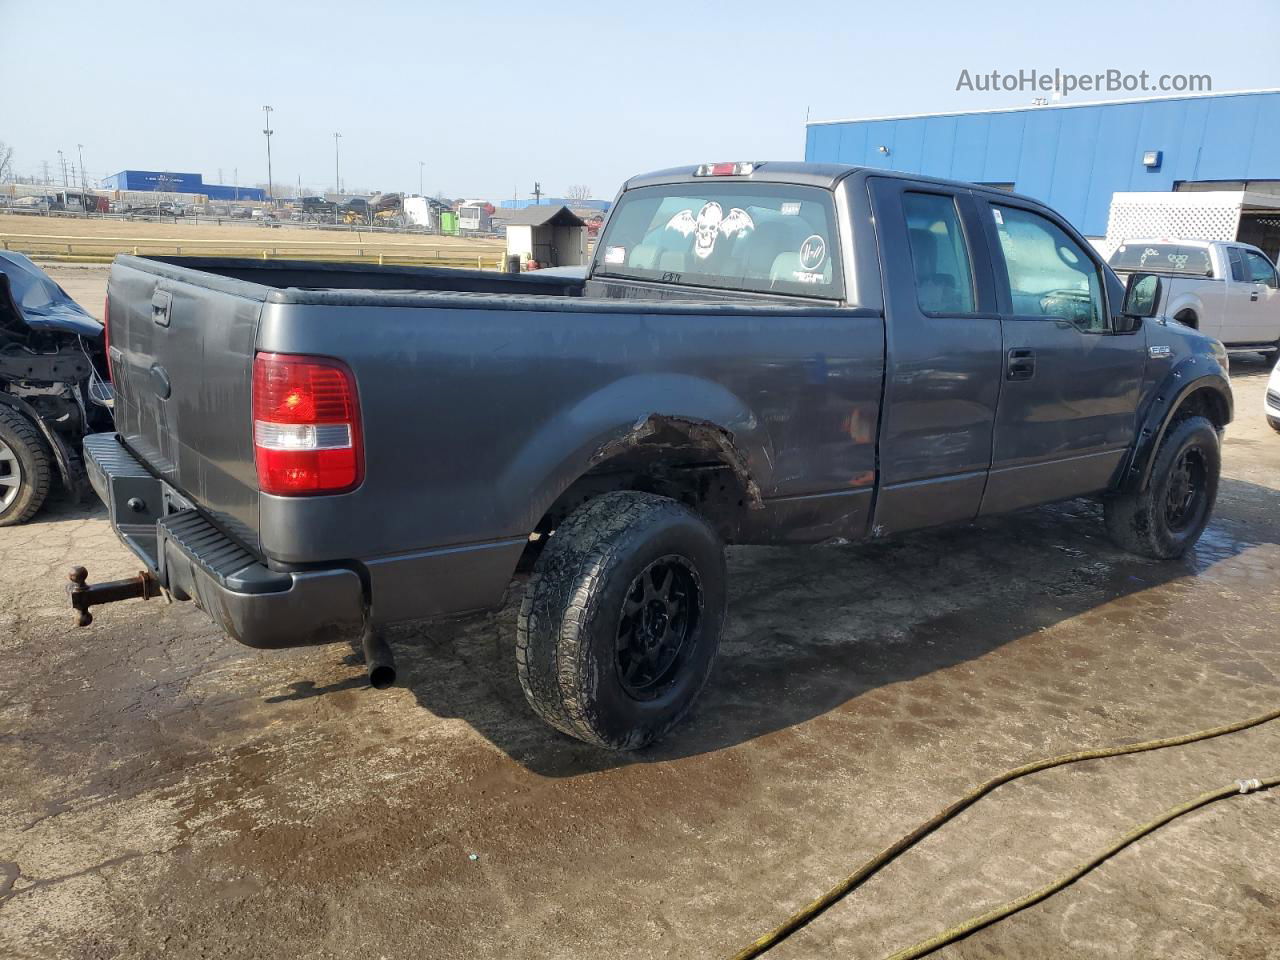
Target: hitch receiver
x: 85, y: 595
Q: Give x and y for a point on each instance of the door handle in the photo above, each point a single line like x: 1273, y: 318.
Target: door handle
x: 1254, y: 295
x: 1022, y: 364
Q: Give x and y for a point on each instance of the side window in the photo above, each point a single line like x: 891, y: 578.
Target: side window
x: 944, y: 282
x: 1049, y: 274
x: 1260, y: 268
x: 1237, y: 264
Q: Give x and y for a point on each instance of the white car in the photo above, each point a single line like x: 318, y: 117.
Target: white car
x: 1271, y: 402
x: 1229, y: 291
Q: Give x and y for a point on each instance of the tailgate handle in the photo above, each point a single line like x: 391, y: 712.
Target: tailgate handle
x: 161, y: 301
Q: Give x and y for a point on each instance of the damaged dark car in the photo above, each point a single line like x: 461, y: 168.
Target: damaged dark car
x: 54, y: 388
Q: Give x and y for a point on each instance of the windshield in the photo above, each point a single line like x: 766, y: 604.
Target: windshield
x: 758, y: 237
x: 1162, y: 258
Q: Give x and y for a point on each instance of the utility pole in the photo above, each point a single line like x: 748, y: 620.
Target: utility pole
x: 537, y: 193
x: 266, y: 112
x: 421, y: 164
x: 45, y: 164
x: 84, y: 180
x: 299, y: 194
x: 62, y: 162
x: 337, y: 175
x: 235, y: 174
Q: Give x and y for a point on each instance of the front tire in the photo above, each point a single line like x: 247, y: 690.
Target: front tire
x: 1166, y: 519
x: 621, y: 619
x: 25, y: 468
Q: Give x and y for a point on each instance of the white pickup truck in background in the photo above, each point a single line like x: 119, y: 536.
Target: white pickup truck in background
x: 1227, y: 290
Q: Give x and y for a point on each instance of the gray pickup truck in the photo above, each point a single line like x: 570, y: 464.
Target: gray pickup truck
x: 765, y: 353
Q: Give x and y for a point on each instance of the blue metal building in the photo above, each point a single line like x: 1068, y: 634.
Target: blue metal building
x: 179, y: 183
x: 1075, y: 156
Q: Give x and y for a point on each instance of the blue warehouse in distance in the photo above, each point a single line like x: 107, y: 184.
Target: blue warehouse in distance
x: 1075, y: 157
x: 169, y: 182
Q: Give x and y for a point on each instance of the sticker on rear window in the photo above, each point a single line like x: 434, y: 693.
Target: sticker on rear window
x: 998, y: 215
x: 813, y: 252
x: 710, y: 223
x: 790, y: 208
x: 615, y: 255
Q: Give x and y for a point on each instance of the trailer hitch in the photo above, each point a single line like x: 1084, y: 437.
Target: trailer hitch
x: 85, y: 595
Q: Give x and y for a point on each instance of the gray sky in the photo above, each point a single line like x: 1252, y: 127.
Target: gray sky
x: 494, y: 95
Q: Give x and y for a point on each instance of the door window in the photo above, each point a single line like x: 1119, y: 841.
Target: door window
x: 1049, y: 275
x: 1260, y: 268
x: 1237, y: 264
x: 944, y: 282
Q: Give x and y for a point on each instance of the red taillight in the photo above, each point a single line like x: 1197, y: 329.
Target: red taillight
x: 106, y: 336
x: 306, y: 425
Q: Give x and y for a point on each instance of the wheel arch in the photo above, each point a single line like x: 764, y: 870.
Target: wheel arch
x: 72, y: 478
x: 1185, y: 392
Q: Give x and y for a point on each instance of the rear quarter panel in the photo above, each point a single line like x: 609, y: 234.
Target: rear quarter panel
x: 477, y: 415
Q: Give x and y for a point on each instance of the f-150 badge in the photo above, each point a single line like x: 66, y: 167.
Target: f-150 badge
x: 1160, y: 350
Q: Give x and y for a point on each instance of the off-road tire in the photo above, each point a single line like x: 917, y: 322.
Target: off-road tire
x: 34, y: 461
x: 1138, y: 522
x: 568, y: 633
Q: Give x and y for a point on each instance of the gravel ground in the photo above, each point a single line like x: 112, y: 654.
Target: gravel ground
x: 168, y: 792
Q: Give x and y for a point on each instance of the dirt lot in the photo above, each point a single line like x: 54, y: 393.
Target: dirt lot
x: 131, y: 232
x: 168, y: 792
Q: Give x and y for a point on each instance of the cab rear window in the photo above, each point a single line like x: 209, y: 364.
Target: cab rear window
x: 1161, y: 258
x: 756, y: 237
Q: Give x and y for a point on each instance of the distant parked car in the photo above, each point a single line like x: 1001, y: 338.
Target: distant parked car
x: 1226, y: 290
x: 1271, y: 403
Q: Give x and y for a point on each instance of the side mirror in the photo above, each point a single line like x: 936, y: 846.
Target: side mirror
x: 1141, y: 296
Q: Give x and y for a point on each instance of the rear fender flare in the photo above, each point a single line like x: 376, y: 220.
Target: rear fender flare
x: 1189, y: 376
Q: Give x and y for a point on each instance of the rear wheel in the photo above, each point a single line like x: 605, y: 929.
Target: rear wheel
x: 25, y: 469
x: 621, y: 619
x: 1166, y: 519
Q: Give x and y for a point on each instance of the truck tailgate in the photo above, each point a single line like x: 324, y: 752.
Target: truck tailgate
x: 182, y: 346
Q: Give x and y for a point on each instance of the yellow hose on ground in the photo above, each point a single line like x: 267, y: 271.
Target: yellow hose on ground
x: 842, y: 889
x: 962, y: 930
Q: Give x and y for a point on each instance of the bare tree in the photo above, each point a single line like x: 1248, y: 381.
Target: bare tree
x: 579, y: 191
x: 6, y: 161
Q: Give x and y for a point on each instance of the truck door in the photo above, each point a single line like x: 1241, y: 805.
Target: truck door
x: 1070, y: 383
x: 943, y: 355
x: 1263, y: 301
x: 1239, y: 299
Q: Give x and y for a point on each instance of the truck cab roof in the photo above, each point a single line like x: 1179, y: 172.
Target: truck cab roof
x: 825, y: 175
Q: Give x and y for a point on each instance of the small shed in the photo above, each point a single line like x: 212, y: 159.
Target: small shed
x: 553, y: 236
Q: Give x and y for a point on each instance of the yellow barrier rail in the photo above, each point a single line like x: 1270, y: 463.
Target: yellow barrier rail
x: 104, y: 249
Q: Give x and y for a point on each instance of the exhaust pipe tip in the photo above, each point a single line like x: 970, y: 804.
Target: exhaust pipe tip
x: 378, y: 658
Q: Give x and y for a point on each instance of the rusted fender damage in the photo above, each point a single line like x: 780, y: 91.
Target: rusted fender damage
x: 661, y: 431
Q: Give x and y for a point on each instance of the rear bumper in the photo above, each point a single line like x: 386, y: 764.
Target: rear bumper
x: 255, y: 605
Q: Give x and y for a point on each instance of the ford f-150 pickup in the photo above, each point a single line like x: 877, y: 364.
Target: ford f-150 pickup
x: 1229, y: 291
x: 759, y: 353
